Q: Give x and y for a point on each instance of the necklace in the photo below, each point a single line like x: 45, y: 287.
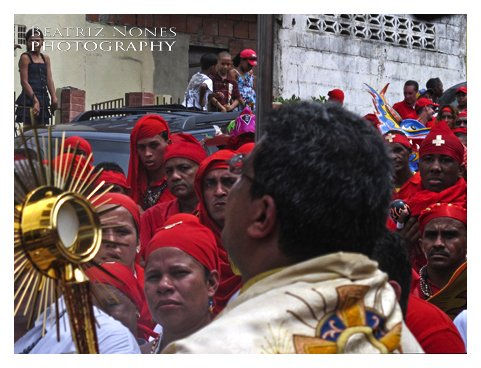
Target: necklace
x: 423, y: 283
x: 155, y: 346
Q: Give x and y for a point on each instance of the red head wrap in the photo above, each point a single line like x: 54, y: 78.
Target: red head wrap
x: 147, y: 126
x: 460, y: 130
x: 394, y: 137
x: 218, y: 160
x: 336, y: 94
x: 442, y: 210
x: 447, y: 109
x: 463, y: 114
x: 80, y: 167
x: 113, y: 177
x: 83, y: 144
x: 246, y: 148
x: 124, y: 281
x: 441, y: 140
x: 185, y: 232
x: 462, y: 89
x: 185, y: 146
x: 124, y: 201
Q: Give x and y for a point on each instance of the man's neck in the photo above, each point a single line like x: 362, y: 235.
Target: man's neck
x: 188, y: 205
x: 440, y: 277
x: 411, y: 105
x: 155, y: 176
x: 402, y: 177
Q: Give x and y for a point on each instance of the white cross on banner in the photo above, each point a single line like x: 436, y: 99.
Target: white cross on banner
x: 389, y: 137
x: 439, y: 141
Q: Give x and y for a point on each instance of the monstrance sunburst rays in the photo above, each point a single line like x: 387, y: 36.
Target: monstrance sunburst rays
x: 57, y: 233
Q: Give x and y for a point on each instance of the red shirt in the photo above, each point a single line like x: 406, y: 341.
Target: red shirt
x: 406, y: 111
x: 433, y: 329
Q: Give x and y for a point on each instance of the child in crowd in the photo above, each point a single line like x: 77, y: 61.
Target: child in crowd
x: 200, y: 85
x: 226, y: 94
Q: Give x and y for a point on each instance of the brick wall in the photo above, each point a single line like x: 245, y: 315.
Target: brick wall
x: 72, y: 102
x: 230, y: 31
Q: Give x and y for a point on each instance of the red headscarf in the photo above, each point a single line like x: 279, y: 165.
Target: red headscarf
x: 218, y: 160
x: 393, y: 137
x: 80, y: 167
x: 113, y: 177
x: 124, y: 281
x: 124, y: 201
x: 229, y: 282
x: 441, y: 140
x: 185, y: 232
x: 185, y: 146
x: 246, y: 148
x: 83, y: 144
x: 442, y: 210
x: 147, y: 126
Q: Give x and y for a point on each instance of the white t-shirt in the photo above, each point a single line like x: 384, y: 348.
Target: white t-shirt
x: 112, y: 336
x: 192, y: 94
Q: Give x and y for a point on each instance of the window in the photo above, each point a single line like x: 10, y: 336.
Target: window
x: 393, y: 29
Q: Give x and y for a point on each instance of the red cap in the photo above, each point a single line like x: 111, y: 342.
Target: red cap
x: 462, y: 89
x: 124, y: 201
x: 422, y: 102
x: 463, y: 114
x: 124, y: 280
x: 83, y: 144
x: 447, y: 109
x: 250, y: 55
x: 460, y: 130
x: 441, y: 140
x: 185, y: 232
x: 185, y: 146
x: 80, y: 167
x: 442, y: 210
x: 113, y: 177
x: 395, y: 137
x: 336, y: 94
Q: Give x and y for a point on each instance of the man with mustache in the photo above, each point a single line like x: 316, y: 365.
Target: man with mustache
x: 213, y: 183
x: 439, y: 180
x: 443, y: 242
x: 181, y: 160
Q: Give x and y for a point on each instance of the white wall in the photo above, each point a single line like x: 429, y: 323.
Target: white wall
x: 311, y: 63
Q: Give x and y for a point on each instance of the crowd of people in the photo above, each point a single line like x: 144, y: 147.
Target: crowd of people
x: 283, y: 245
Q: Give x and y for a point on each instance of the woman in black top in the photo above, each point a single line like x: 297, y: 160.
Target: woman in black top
x: 36, y: 78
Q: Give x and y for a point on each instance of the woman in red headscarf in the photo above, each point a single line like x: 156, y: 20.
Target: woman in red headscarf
x: 181, y: 277
x: 229, y: 283
x: 120, y: 243
x: 146, y: 178
x: 120, y: 296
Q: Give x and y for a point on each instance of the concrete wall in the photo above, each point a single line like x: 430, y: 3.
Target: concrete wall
x: 311, y: 63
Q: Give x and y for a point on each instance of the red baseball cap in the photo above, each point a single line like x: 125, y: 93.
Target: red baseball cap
x: 250, y: 55
x: 336, y: 94
x: 462, y: 89
x: 422, y: 102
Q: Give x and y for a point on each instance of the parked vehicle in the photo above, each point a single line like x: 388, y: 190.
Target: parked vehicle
x: 108, y: 131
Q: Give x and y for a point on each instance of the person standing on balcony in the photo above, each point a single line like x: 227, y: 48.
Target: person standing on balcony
x: 243, y: 73
x: 200, y: 85
x: 226, y: 93
x: 36, y: 78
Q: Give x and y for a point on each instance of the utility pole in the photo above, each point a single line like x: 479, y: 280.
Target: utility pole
x: 265, y: 53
